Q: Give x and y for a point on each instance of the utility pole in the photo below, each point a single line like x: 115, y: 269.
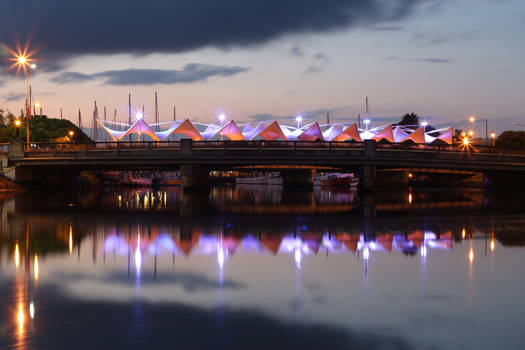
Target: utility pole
x: 31, y: 100
x: 79, y: 120
x: 129, y: 114
x: 174, y: 113
x: 95, y: 117
x: 359, y: 120
x: 327, y: 118
x: 156, y: 113
x: 61, y: 116
x: 115, y: 116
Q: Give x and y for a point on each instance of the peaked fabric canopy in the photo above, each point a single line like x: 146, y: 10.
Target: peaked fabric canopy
x: 399, y: 134
x: 312, y: 133
x: 181, y: 127
x: 350, y: 133
x: 231, y: 131
x: 140, y: 127
x: 385, y: 134
x: 417, y: 136
x: 272, y: 130
x: 447, y: 136
x: 333, y: 131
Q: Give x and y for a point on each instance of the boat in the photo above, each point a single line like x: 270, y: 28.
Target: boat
x: 273, y: 178
x: 139, y: 179
x: 336, y: 180
x: 171, y: 178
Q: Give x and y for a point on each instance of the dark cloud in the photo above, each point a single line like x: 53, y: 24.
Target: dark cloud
x: 297, y: 51
x: 66, y: 29
x: 13, y: 96
x: 427, y: 60
x: 432, y: 60
x: 313, y: 70
x: 432, y: 39
x: 191, y: 73
x: 386, y: 28
x: 99, y: 324
x: 321, y: 57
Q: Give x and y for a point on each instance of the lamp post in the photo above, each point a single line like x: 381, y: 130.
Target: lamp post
x: 493, y: 136
x: 39, y: 106
x: 222, y: 117
x: 472, y: 119
x: 23, y: 60
x: 366, y: 121
x: 17, y: 125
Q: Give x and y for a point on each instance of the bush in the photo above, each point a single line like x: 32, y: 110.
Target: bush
x: 511, y: 139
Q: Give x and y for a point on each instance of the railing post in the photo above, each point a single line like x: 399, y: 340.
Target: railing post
x: 186, y: 147
x: 370, y: 148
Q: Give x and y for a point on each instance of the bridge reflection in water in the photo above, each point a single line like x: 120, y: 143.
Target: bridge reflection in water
x: 141, y: 245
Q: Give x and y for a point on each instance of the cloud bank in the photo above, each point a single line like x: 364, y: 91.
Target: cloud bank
x: 192, y: 72
x: 65, y: 29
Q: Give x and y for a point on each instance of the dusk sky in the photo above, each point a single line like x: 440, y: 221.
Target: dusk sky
x: 273, y: 59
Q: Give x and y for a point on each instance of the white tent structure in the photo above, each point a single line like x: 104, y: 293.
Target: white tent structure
x: 272, y: 130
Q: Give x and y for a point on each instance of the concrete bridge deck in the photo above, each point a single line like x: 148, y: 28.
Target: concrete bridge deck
x: 199, y: 157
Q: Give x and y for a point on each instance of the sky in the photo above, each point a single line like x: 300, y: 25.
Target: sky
x: 273, y: 59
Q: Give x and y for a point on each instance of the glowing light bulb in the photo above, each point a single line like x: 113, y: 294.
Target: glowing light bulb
x: 492, y: 244
x: 424, y: 124
x: 22, y: 59
x: 471, y: 255
x: 463, y: 233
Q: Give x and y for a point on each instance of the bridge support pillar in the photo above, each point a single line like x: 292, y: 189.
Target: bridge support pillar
x: 367, y: 177
x: 298, y: 177
x: 194, y: 176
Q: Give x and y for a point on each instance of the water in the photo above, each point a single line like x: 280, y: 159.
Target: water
x: 260, y: 267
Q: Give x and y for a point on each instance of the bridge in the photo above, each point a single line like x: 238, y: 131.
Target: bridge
x: 375, y: 163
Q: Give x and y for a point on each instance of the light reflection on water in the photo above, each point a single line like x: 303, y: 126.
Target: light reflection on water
x: 428, y: 278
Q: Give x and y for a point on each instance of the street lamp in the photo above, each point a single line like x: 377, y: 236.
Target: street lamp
x: 298, y: 119
x: 22, y: 60
x: 493, y: 136
x: 367, y: 121
x: 473, y: 119
x: 221, y: 118
x: 17, y: 125
x: 38, y: 105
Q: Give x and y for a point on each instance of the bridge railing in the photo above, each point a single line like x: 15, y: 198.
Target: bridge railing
x: 36, y: 148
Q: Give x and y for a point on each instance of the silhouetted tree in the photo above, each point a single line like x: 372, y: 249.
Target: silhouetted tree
x: 409, y: 119
x: 511, y: 139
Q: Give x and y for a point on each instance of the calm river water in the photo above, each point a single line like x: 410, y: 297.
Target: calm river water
x: 261, y: 267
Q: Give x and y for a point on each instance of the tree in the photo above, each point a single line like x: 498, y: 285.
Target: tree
x: 43, y: 129
x: 458, y: 134
x: 409, y: 119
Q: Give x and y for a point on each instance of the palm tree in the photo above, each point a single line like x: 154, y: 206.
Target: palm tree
x: 409, y: 119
